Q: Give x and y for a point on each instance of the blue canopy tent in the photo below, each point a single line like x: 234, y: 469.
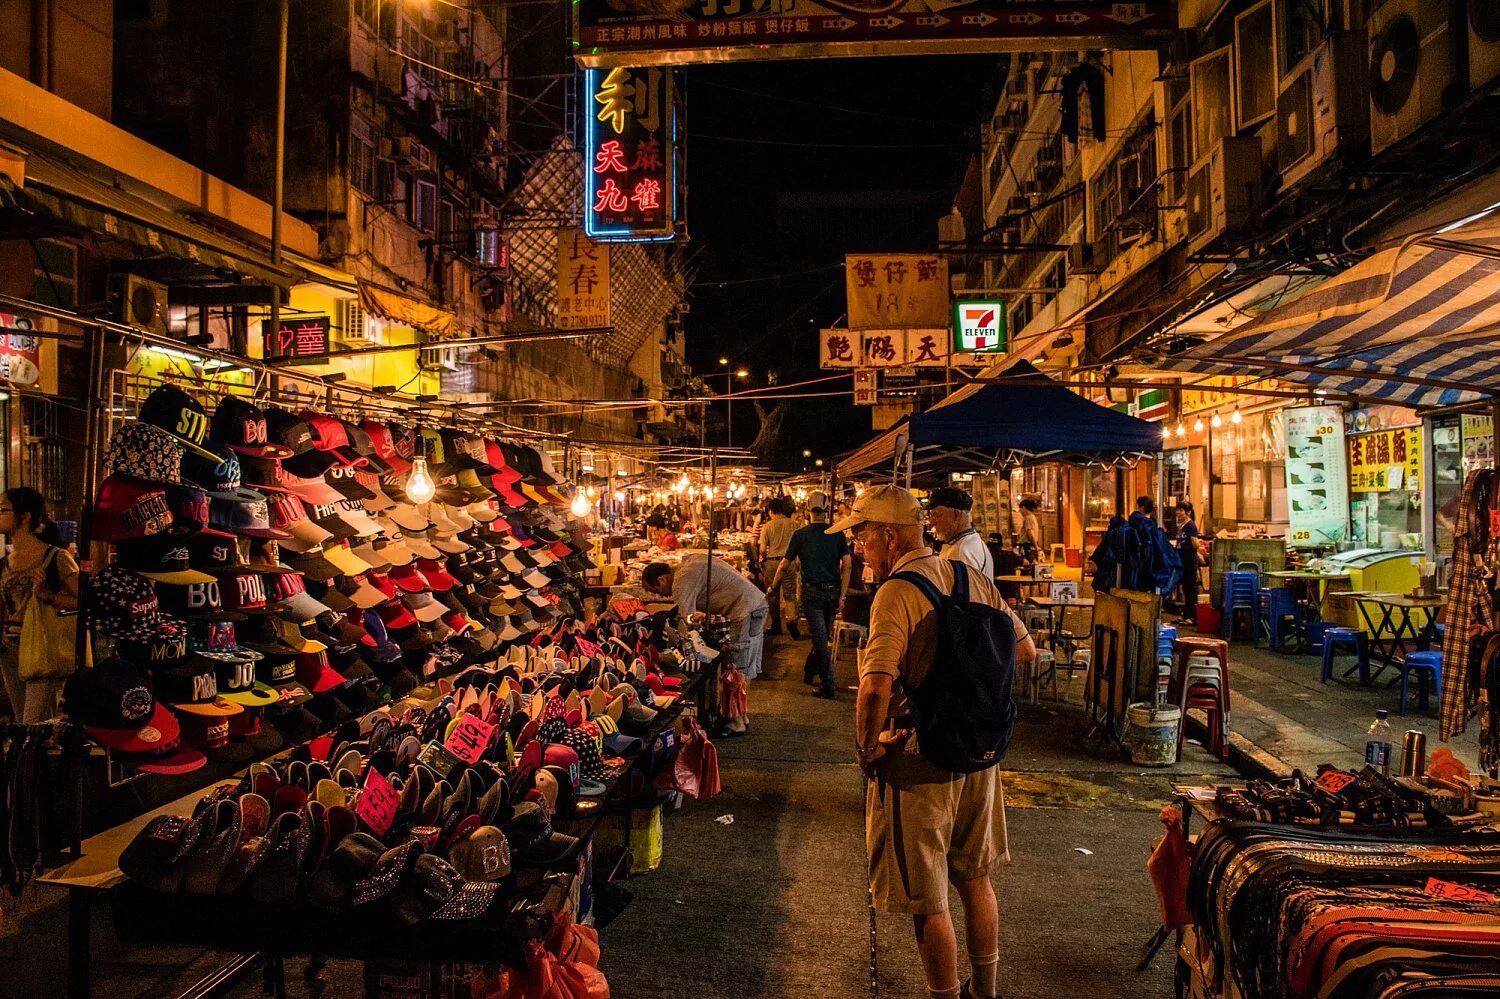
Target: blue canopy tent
x: 1016, y: 417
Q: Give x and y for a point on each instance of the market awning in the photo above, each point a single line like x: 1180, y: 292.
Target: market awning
x: 57, y: 192
x: 1015, y: 416
x: 407, y: 311
x: 1415, y: 324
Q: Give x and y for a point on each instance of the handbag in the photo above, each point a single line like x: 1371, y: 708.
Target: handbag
x: 49, y: 638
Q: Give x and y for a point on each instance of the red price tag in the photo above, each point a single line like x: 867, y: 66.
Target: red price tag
x: 1334, y: 781
x: 587, y: 648
x: 1494, y: 521
x: 1459, y: 893
x: 377, y: 803
x: 469, y: 738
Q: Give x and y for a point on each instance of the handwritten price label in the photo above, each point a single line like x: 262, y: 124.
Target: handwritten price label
x: 377, y: 803
x: 1458, y: 893
x: 1334, y: 781
x: 587, y: 648
x: 469, y: 738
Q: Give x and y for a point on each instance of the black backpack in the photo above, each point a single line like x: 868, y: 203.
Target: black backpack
x: 964, y: 711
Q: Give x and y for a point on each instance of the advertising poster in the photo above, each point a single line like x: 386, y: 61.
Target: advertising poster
x: 1317, y: 482
x: 1478, y: 442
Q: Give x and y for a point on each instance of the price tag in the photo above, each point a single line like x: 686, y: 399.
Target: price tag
x: 469, y: 738
x: 1334, y: 781
x: 1458, y: 893
x: 376, y: 806
x: 586, y: 647
x: 1494, y: 522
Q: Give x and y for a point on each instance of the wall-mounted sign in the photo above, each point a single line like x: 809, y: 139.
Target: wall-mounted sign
x: 1317, y: 485
x: 1386, y: 460
x: 647, y: 32
x: 20, y: 350
x: 896, y: 290
x: 582, y: 281
x: 883, y: 348
x: 630, y: 154
x: 979, y: 326
x: 1206, y: 393
x: 866, y: 387
x: 299, y: 336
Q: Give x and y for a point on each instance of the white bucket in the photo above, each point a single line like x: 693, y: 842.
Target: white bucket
x: 1152, y: 735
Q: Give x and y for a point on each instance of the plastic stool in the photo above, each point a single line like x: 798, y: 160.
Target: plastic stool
x: 841, y: 629
x: 1274, y: 607
x: 1423, y: 663
x: 1333, y: 638
x: 1314, y: 631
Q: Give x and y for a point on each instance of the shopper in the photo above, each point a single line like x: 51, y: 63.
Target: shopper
x: 924, y: 826
x: 708, y: 585
x: 949, y: 515
x: 775, y: 535
x: 823, y: 559
x: 1187, y: 550
x: 36, y: 567
x: 1029, y: 538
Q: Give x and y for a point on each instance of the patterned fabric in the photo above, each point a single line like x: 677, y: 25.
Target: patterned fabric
x: 144, y: 452
x: 1470, y: 611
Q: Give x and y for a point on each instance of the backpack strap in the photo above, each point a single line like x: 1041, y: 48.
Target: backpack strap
x: 960, y: 581
x: 924, y: 584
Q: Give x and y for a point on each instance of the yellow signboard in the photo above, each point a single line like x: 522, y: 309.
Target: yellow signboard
x: 896, y: 290
x: 582, y: 281
x: 1385, y: 460
x: 1209, y: 392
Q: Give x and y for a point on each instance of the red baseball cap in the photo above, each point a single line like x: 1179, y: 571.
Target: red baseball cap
x: 395, y: 615
x: 410, y: 579
x: 314, y: 672
x: 385, y: 446
x: 505, y: 477
x: 332, y: 438
x: 436, y: 575
x: 127, y: 509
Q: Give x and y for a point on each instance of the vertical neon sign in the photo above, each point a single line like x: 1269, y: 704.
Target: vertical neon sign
x: 630, y: 154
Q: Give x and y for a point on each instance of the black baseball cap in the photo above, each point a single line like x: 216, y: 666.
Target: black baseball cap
x: 951, y: 498
x: 242, y: 426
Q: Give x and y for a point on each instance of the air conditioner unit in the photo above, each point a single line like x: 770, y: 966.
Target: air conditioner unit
x: 1223, y: 190
x: 1484, y: 43
x: 352, y: 328
x: 1086, y: 257
x: 1409, y: 67
x: 137, y: 302
x: 439, y: 358
x: 1321, y: 109
x: 420, y: 156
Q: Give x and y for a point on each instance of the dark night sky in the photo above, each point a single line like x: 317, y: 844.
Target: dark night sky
x: 805, y: 123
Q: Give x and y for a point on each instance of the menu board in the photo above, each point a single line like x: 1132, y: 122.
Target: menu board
x: 1385, y: 460
x: 1317, y: 483
x: 1478, y: 442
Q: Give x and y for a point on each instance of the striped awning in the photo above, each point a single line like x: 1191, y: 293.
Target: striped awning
x: 1416, y: 324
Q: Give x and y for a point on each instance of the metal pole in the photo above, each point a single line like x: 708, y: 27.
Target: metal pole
x: 278, y: 183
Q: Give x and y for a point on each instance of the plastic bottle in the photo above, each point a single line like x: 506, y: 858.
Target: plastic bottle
x: 1378, y: 742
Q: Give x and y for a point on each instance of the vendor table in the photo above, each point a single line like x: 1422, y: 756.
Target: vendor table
x: 1025, y: 580
x: 1052, y: 607
x: 1392, y: 631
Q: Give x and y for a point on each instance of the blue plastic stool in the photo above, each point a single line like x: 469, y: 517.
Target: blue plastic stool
x: 1333, y: 638
x: 1422, y: 663
x: 1315, y: 631
x: 1240, y: 593
x: 1275, y: 607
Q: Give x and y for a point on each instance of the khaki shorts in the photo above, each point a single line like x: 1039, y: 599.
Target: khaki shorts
x: 925, y: 826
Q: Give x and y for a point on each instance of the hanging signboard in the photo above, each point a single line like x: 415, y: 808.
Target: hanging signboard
x: 654, y: 32
x: 1212, y: 391
x: 1317, y: 484
x: 582, y: 281
x: 1478, y: 438
x: 979, y: 326
x: 20, y: 351
x: 299, y: 336
x: 884, y: 348
x: 630, y: 154
x: 896, y: 290
x: 866, y: 387
x: 1385, y: 460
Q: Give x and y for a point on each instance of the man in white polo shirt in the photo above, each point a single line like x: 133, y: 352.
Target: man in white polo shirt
x: 949, y: 514
x: 924, y: 825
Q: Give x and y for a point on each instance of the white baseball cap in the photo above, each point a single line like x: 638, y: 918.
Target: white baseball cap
x: 880, y: 505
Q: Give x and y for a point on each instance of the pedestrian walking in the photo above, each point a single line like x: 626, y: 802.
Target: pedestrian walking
x: 823, y: 560
x: 775, y: 535
x: 950, y: 517
x: 926, y: 826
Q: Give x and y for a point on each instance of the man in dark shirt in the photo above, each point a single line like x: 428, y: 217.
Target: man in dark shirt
x: 824, y: 562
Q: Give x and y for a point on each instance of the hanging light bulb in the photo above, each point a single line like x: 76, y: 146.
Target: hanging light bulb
x: 580, y: 505
x: 1216, y: 422
x: 1181, y: 429
x: 1166, y: 433
x: 1198, y: 425
x: 619, y: 495
x: 419, y: 484
x: 1235, y: 417
x: 681, y: 484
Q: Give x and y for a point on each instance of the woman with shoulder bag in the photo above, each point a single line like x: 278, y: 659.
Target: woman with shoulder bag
x: 38, y: 580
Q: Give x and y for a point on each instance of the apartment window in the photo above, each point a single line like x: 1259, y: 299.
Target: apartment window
x: 1255, y: 77
x: 1122, y: 202
x: 448, y: 217
x: 1299, y: 29
x: 55, y: 275
x: 422, y: 50
x: 363, y: 142
x: 385, y: 180
x: 423, y: 205
x: 1213, y: 98
x: 1179, y: 136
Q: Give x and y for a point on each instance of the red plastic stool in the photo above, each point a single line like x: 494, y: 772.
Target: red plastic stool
x: 1185, y: 649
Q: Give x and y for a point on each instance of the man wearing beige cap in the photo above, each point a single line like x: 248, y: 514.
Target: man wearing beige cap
x: 924, y: 825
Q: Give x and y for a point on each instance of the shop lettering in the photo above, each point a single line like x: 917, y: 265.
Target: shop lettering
x: 250, y: 591
x: 192, y: 425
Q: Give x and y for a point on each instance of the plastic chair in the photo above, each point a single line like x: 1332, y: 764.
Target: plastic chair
x: 848, y: 629
x: 1276, y: 616
x: 1335, y: 637
x: 1039, y: 672
x: 1422, y: 663
x: 1241, y: 589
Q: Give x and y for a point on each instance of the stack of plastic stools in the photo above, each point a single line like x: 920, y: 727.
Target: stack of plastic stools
x: 1423, y: 662
x: 1276, y: 616
x: 1166, y: 656
x: 1202, y: 681
x: 1314, y: 630
x: 1353, y: 637
x: 1241, y: 587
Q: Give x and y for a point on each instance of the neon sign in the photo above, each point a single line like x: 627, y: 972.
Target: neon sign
x: 630, y: 155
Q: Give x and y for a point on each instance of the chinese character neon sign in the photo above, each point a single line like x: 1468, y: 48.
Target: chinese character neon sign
x: 630, y: 151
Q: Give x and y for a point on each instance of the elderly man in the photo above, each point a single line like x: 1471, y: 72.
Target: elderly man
x: 703, y: 584
x: 924, y: 826
x: 949, y: 516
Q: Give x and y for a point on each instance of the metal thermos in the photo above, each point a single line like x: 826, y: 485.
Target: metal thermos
x: 1414, y: 753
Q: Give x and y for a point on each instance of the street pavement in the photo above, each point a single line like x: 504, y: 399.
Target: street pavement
x: 772, y: 903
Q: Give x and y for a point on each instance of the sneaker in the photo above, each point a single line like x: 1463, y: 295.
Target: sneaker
x: 826, y: 694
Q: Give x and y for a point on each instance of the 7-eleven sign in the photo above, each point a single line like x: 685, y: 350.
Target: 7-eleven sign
x: 979, y: 326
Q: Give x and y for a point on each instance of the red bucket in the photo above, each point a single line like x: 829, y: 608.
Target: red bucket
x: 1209, y: 619
x: 1074, y: 558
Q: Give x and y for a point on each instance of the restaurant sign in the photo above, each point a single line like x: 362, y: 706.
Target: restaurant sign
x: 630, y: 150
x: 20, y: 350
x: 1316, y: 476
x: 656, y: 32
x: 583, y: 297
x: 896, y: 290
x: 299, y: 336
x: 883, y: 348
x: 1386, y: 460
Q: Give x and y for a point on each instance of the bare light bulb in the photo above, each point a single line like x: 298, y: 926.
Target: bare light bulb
x: 580, y: 505
x: 1181, y: 429
x: 1235, y: 417
x: 1215, y: 421
x: 419, y: 484
x: 1198, y: 425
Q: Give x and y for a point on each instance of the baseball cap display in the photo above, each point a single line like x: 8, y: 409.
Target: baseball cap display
x: 164, y: 559
x: 242, y: 426
x: 218, y: 477
x: 114, y: 701
x: 144, y: 452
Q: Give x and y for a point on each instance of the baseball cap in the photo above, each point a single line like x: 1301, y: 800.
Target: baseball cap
x: 361, y: 592
x: 241, y: 425
x: 193, y: 688
x: 314, y: 671
x: 880, y: 505
x: 384, y: 443
x: 171, y: 409
x: 294, y: 432
x: 532, y: 838
x: 312, y: 488
x: 217, y: 640
x: 237, y: 684
x: 218, y: 476
x: 406, y: 517
x: 195, y: 601
x: 950, y: 498
x: 330, y: 437
x: 482, y: 856
x: 344, y: 559
x: 145, y: 452
x: 290, y: 601
x: 250, y: 519
x: 245, y: 592
x: 128, y: 509
x: 424, y: 607
x: 346, y: 480
x: 160, y: 558
x: 290, y: 517
x: 114, y: 702
x: 189, y: 506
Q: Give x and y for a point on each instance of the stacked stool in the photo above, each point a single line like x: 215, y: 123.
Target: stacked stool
x: 1276, y: 616
x: 1241, y: 593
x: 1201, y: 680
x: 1425, y: 662
x: 1166, y: 656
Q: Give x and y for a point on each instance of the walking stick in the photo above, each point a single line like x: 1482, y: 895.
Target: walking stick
x: 870, y: 906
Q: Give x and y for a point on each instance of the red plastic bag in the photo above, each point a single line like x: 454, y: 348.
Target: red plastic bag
x: 572, y: 942
x: 1168, y: 867
x: 695, y: 771
x: 735, y: 695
